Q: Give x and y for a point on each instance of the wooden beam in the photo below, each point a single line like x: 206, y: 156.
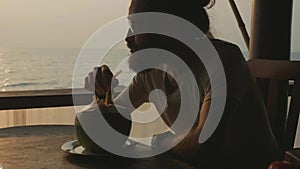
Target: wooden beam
x: 240, y: 22
x: 273, y: 68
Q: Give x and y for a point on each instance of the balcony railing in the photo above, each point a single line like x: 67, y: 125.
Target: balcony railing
x: 43, y: 98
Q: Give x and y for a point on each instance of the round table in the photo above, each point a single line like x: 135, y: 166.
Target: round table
x: 39, y: 147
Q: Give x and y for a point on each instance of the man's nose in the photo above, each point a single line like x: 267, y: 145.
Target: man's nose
x: 130, y: 37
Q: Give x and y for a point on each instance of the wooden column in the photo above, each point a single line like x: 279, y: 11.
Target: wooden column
x: 271, y: 29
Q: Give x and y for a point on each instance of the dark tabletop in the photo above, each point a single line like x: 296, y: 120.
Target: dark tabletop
x: 39, y: 147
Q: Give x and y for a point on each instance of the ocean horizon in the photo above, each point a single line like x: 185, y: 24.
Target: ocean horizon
x: 52, y: 68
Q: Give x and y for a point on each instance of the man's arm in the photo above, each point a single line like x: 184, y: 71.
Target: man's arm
x: 134, y: 95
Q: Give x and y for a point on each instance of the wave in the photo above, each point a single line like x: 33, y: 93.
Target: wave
x: 26, y: 84
x: 22, y: 84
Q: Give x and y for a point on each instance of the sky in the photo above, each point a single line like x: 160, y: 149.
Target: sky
x: 69, y: 23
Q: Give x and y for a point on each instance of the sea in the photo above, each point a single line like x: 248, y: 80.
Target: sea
x: 53, y: 68
x: 23, y: 69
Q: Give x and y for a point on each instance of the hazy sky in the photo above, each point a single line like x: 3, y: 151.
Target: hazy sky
x: 69, y: 23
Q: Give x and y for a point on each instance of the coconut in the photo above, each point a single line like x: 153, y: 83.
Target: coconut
x: 112, y: 116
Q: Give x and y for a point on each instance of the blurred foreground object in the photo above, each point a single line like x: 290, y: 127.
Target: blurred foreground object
x: 282, y: 165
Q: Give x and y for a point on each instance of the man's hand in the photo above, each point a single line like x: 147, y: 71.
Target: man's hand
x: 101, y: 81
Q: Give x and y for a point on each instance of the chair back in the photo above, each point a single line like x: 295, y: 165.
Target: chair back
x: 283, y: 80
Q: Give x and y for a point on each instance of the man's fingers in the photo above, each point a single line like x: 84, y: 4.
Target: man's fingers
x: 100, y: 79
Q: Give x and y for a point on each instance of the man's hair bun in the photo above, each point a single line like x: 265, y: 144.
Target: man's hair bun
x: 206, y: 3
